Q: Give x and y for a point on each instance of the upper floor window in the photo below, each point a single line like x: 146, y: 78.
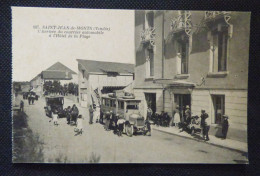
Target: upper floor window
x: 83, y: 73
x: 183, y: 50
x: 183, y: 56
x: 149, y: 62
x: 149, y: 20
x: 219, y: 51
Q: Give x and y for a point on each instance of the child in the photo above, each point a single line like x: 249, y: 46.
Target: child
x: 79, y: 125
x: 55, y: 117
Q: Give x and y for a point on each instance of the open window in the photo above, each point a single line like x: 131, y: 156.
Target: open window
x: 149, y: 62
x: 183, y: 50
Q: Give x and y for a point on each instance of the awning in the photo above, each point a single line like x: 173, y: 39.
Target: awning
x: 175, y: 83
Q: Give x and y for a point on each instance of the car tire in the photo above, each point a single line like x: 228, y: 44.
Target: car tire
x: 129, y: 130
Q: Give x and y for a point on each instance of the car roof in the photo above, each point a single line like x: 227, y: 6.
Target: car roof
x: 120, y: 98
x: 54, y: 97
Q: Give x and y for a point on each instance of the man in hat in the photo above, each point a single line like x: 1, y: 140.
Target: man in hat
x: 225, y: 126
x: 204, y: 125
x: 187, y: 113
x: 91, y: 113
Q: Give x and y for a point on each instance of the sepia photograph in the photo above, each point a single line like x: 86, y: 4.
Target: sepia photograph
x: 129, y: 86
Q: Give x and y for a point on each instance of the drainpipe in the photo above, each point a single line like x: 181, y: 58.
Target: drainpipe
x: 163, y: 42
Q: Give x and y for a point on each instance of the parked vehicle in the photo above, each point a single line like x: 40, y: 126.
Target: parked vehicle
x: 53, y: 102
x: 127, y: 108
x: 194, y: 125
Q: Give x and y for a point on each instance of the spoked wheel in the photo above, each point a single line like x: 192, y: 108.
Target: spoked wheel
x: 129, y: 130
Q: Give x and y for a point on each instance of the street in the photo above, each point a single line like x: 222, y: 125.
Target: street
x: 97, y: 145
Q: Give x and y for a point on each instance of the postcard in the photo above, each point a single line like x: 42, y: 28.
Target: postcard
x: 129, y: 86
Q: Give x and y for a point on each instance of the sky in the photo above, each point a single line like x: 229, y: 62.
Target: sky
x: 33, y: 52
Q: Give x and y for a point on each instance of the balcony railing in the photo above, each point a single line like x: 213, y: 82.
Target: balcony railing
x: 182, y: 23
x: 148, y: 35
x: 212, y: 15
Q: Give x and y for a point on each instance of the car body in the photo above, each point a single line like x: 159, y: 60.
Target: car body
x: 127, y: 108
x: 53, y: 102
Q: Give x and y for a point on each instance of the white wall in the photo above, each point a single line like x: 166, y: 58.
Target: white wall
x: 98, y: 80
x: 235, y: 105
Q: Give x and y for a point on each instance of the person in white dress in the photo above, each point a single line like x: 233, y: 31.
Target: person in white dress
x: 55, y: 117
x: 177, y: 118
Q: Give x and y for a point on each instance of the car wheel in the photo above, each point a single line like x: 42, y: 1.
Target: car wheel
x: 129, y: 130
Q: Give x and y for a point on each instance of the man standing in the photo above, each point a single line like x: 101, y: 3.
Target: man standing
x: 91, y: 113
x: 149, y: 113
x: 205, y: 125
x: 187, y: 113
x: 21, y: 106
x: 68, y: 114
x: 74, y: 113
x: 225, y: 126
x: 29, y: 98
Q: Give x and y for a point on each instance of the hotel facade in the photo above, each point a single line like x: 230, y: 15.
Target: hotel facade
x: 194, y: 58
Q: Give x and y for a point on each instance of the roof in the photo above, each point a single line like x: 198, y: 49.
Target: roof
x: 59, y: 67
x: 61, y: 75
x: 100, y: 66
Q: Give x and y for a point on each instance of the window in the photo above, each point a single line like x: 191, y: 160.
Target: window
x: 219, y: 108
x: 132, y: 107
x: 149, y: 62
x: 219, y: 51
x: 149, y: 20
x: 83, y: 96
x: 121, y: 104
x: 83, y: 73
x: 107, y: 103
x: 112, y: 103
x: 183, y: 50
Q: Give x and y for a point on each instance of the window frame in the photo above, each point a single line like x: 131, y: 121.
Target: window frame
x: 219, y: 30
x: 214, y: 98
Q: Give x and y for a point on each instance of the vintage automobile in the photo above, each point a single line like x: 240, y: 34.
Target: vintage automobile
x: 53, y: 102
x: 126, y: 108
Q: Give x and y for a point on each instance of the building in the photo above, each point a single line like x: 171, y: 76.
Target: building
x: 97, y: 77
x: 195, y: 58
x: 58, y: 72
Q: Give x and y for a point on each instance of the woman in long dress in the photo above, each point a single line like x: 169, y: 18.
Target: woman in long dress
x: 177, y: 118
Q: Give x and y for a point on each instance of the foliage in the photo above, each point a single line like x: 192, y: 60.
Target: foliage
x: 57, y: 88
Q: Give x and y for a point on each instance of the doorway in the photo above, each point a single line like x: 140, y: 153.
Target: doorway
x: 151, y: 101
x: 219, y: 107
x: 182, y: 100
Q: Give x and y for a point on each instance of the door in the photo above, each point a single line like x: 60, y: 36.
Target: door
x: 151, y: 101
x: 182, y: 100
x: 219, y: 107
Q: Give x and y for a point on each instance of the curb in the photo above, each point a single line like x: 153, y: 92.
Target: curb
x: 217, y: 145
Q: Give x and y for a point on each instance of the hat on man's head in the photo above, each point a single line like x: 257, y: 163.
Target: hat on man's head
x: 202, y: 110
x: 187, y: 106
x: 225, y: 116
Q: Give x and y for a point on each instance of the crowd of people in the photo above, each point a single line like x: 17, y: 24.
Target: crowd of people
x: 187, y: 122
x: 115, y: 122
